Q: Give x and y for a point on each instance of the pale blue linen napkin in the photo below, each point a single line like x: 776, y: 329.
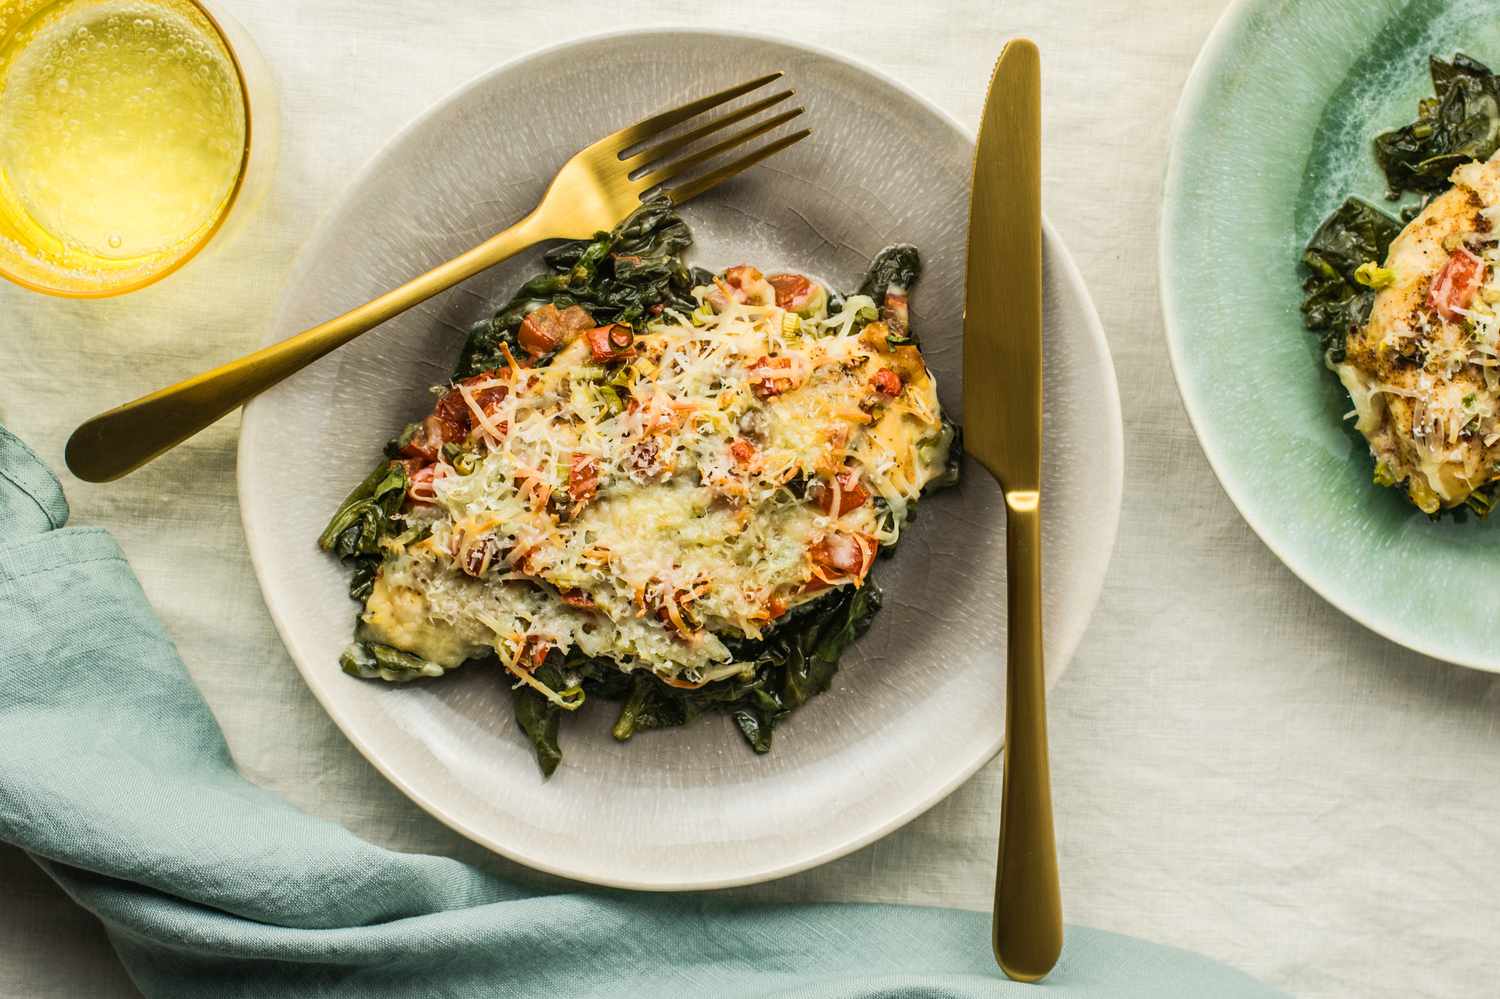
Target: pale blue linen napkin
x: 115, y: 777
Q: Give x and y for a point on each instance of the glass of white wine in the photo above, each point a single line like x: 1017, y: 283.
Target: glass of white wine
x: 125, y: 140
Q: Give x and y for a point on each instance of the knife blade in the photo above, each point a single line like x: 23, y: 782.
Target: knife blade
x: 1003, y: 432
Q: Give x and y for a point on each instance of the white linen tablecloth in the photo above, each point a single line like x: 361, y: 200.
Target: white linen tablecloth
x: 1239, y: 769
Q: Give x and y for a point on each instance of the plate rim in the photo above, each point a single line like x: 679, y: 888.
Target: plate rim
x: 1195, y: 94
x: 1093, y: 329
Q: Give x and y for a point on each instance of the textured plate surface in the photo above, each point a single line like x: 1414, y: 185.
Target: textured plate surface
x: 1273, y: 132
x: 918, y: 706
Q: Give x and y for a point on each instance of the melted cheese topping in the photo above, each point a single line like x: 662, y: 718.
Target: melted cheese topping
x: 638, y: 509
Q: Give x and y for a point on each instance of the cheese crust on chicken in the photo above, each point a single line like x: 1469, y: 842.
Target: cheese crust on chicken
x: 1424, y: 370
x: 641, y: 495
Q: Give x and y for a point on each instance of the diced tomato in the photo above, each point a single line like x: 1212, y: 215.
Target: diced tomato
x: 742, y: 451
x: 547, y: 329
x: 615, y: 342
x: 426, y: 444
x: 485, y: 398
x: 579, y: 599
x: 1456, y: 283
x: 793, y: 291
x: 453, y: 410
x: 838, y: 554
x: 852, y: 495
x: 534, y: 653
x: 750, y: 285
x: 886, y: 382
x: 768, y: 385
x: 775, y: 608
x: 583, y: 478
x: 896, y: 312
x: 743, y: 284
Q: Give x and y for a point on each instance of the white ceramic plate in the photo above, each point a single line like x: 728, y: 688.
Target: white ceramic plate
x: 918, y: 706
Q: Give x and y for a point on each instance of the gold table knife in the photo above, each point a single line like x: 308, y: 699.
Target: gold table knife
x: 1003, y: 431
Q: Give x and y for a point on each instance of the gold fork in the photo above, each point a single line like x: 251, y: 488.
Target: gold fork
x: 594, y: 191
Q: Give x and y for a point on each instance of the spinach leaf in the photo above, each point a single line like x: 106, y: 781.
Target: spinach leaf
x: 1461, y: 122
x: 618, y: 276
x: 794, y: 663
x: 1334, y: 302
x: 539, y: 718
x: 952, y: 438
x: 898, y: 267
x: 363, y: 520
x: 365, y: 515
x: 652, y: 704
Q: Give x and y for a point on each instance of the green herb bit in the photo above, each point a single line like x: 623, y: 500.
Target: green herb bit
x: 1372, y: 275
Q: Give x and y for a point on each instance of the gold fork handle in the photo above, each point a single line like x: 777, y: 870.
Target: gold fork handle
x: 1028, y: 931
x: 120, y: 441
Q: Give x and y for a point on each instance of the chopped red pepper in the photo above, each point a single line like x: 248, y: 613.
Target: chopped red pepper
x: 842, y: 555
x: 852, y: 495
x: 547, y: 329
x: 792, y: 290
x: 769, y: 385
x: 426, y: 443
x: 583, y: 478
x: 887, y: 383
x: 579, y: 599
x: 615, y: 342
x: 1456, y: 283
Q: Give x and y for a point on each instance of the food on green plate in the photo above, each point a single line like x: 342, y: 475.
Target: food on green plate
x: 653, y: 485
x: 1409, y: 315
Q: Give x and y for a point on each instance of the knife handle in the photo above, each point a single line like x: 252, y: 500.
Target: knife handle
x: 1028, y: 933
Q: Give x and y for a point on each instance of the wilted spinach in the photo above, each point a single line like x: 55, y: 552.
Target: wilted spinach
x: 1461, y: 122
x: 618, y: 276
x: 1334, y: 302
x: 363, y: 520
x: 539, y: 718
x: 898, y: 266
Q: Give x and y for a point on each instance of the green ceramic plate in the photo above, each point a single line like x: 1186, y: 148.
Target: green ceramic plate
x: 1273, y: 132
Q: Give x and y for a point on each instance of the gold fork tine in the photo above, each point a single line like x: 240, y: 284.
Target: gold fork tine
x: 676, y: 168
x: 651, y: 154
x: 693, y: 188
x: 657, y: 124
